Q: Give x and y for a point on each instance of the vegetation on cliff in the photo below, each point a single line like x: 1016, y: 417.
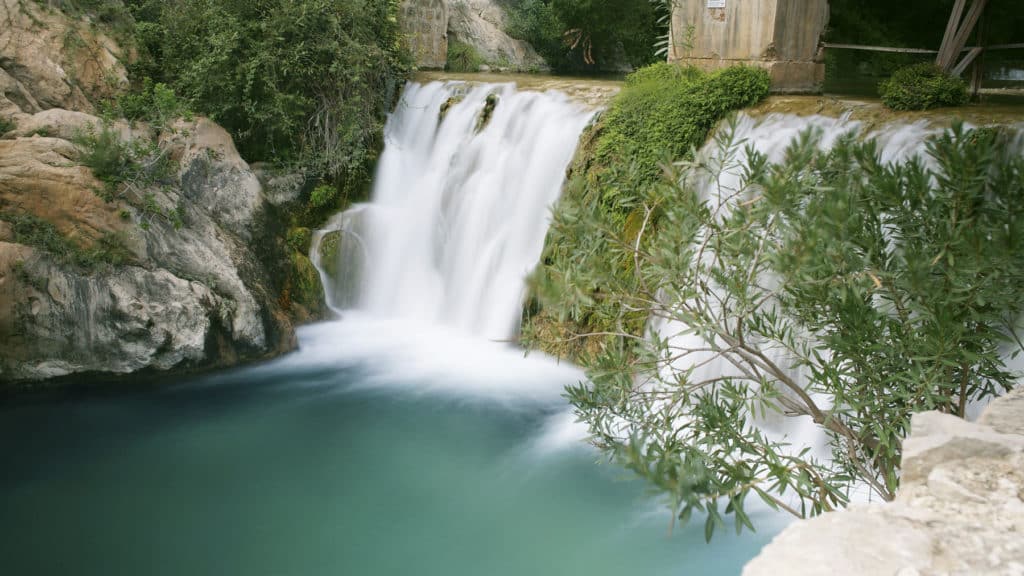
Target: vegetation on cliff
x: 663, y: 114
x: 305, y: 84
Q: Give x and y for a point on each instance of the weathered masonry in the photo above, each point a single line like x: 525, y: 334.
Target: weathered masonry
x: 426, y: 24
x: 782, y: 36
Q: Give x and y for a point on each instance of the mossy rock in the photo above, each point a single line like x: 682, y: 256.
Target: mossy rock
x: 488, y: 112
x: 300, y: 239
x: 448, y: 105
x: 305, y: 289
x: 329, y: 248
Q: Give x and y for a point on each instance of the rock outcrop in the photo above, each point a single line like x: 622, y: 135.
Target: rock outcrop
x: 481, y: 24
x: 960, y: 509
x: 432, y: 24
x: 48, y: 60
x: 184, y: 269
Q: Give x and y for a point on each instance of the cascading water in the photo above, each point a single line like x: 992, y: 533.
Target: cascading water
x: 771, y: 136
x: 460, y: 206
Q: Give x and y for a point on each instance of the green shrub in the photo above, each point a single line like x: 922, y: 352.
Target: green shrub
x: 104, y: 154
x: 154, y: 103
x: 663, y: 71
x: 922, y: 87
x: 463, y: 57
x: 302, y: 83
x: 324, y: 196
x: 661, y: 116
x: 118, y: 164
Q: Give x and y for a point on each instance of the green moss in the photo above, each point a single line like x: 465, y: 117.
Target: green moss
x: 304, y: 288
x: 488, y: 111
x: 448, y: 104
x: 329, y: 247
x: 299, y: 239
x: 922, y: 87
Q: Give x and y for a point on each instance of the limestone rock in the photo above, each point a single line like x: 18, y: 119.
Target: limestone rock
x: 279, y: 189
x: 481, y: 24
x: 960, y: 509
x: 42, y: 177
x: 198, y: 292
x: 431, y: 24
x: 54, y: 61
x: 215, y: 176
x: 57, y: 321
x: 69, y: 124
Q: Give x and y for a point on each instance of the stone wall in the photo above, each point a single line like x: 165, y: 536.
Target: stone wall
x: 960, y: 509
x: 782, y: 36
x: 426, y: 24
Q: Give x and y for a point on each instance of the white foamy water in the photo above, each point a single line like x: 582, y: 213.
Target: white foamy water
x: 459, y: 212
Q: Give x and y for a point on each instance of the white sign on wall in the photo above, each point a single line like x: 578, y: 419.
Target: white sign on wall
x: 716, y: 3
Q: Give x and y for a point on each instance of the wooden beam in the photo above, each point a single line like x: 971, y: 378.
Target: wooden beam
x: 1019, y: 46
x: 978, y: 71
x: 966, y: 61
x: 948, y: 58
x: 879, y: 48
x: 951, y: 28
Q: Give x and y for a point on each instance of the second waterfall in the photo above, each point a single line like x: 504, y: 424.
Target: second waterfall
x: 461, y: 205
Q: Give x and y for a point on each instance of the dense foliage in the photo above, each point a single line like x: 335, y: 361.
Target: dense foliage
x: 922, y: 87
x: 832, y: 286
x: 575, y: 35
x: 301, y: 82
x: 663, y: 113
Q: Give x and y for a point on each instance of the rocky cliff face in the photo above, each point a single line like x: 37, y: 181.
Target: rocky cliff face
x: 960, y: 509
x: 432, y: 24
x: 175, y: 271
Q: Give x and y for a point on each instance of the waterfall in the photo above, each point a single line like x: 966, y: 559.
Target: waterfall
x: 460, y: 208
x: 771, y: 135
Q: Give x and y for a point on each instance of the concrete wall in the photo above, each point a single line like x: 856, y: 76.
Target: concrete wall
x: 426, y: 24
x: 779, y: 35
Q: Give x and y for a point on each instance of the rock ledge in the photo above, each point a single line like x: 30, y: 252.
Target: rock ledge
x: 960, y: 510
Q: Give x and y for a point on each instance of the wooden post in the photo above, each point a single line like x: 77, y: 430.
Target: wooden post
x: 978, y: 72
x: 951, y: 28
x: 950, y: 50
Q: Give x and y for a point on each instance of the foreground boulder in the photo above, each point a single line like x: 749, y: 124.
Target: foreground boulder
x: 960, y: 509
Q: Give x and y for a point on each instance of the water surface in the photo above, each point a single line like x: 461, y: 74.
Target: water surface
x: 359, y: 455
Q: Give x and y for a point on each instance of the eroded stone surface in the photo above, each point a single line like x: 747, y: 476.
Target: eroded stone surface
x: 960, y: 509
